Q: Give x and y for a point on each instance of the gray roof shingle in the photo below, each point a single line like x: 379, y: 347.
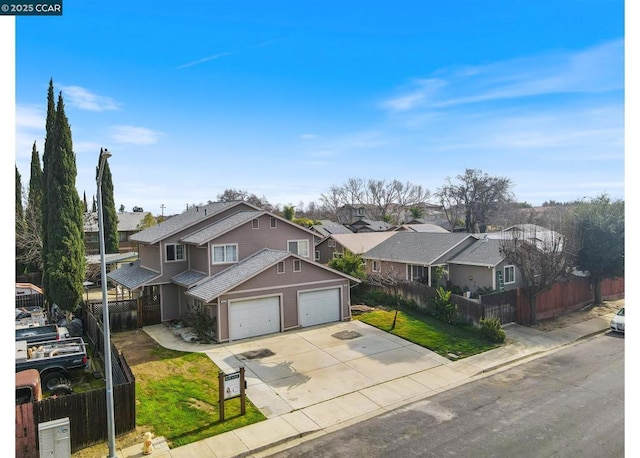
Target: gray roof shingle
x: 182, y: 221
x: 416, y: 247
x: 188, y: 278
x: 132, y: 275
x: 484, y: 252
x: 236, y: 274
x: 220, y: 227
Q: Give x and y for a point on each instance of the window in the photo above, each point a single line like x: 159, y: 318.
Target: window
x: 509, y: 274
x: 375, y: 266
x: 174, y: 252
x: 280, y: 267
x: 274, y: 222
x: 317, y: 255
x: 122, y: 236
x: 255, y: 224
x: 225, y: 253
x: 414, y: 272
x: 360, y: 211
x: 337, y: 255
x: 297, y: 265
x: 299, y: 247
x: 331, y: 243
x: 91, y: 236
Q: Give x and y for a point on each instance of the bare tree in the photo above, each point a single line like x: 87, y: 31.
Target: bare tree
x: 479, y: 194
x: 384, y: 200
x: 543, y: 258
x: 230, y: 195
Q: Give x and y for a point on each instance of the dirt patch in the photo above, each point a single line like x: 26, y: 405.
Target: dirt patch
x: 608, y: 308
x: 137, y: 348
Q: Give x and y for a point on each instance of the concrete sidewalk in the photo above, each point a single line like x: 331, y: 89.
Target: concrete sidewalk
x: 377, y: 373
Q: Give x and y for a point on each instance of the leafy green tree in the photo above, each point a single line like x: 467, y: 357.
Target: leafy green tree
x: 64, y: 262
x: 600, y: 228
x: 148, y: 221
x: 289, y: 212
x: 109, y: 216
x: 350, y: 264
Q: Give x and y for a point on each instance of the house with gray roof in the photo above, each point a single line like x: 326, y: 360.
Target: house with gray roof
x: 336, y: 245
x: 128, y: 224
x: 251, y: 271
x: 409, y: 256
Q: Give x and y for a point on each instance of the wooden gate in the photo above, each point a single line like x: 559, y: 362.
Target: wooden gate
x: 149, y: 310
x: 26, y: 436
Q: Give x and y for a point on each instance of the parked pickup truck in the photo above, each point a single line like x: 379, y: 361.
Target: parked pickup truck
x: 55, y: 360
x: 33, y: 334
x: 29, y: 387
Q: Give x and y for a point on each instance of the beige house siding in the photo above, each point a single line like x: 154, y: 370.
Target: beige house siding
x: 170, y: 302
x: 149, y: 256
x: 198, y: 259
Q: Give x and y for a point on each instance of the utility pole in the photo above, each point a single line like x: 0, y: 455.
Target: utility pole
x: 162, y: 207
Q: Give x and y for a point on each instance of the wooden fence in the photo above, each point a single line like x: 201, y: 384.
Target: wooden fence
x: 86, y: 412
x: 123, y: 314
x: 512, y: 305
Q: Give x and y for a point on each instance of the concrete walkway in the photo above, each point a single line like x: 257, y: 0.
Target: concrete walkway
x: 321, y: 379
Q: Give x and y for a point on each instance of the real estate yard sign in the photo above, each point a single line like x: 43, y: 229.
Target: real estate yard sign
x: 231, y: 386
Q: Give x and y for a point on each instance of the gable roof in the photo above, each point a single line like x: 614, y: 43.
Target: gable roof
x: 183, y: 221
x: 127, y: 221
x: 132, y: 275
x: 422, y: 227
x: 329, y: 228
x: 484, y: 252
x: 416, y: 247
x: 244, y: 270
x: 220, y: 227
x: 372, y: 224
x: 361, y: 243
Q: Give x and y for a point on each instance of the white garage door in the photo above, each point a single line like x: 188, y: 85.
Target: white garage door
x: 254, y: 317
x: 317, y: 307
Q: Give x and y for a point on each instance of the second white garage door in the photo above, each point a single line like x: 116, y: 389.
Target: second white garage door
x: 254, y: 317
x: 317, y: 307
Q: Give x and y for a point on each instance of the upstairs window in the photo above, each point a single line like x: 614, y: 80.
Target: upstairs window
x: 280, y: 267
x: 299, y: 247
x: 224, y: 254
x: 331, y: 243
x: 274, y: 222
x: 255, y: 224
x: 297, y: 265
x: 317, y: 255
x: 375, y: 266
x: 174, y: 252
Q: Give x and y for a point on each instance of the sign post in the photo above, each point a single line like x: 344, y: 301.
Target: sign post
x: 231, y: 386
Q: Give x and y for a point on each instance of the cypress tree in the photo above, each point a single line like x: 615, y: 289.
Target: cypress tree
x: 47, y: 162
x: 85, y: 207
x: 64, y: 262
x: 109, y: 216
x: 33, y: 214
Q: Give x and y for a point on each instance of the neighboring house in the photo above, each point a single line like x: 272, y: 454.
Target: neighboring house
x: 250, y: 270
x: 409, y: 256
x: 328, y: 227
x: 112, y: 262
x: 368, y: 225
x: 128, y: 224
x: 334, y: 246
x: 480, y: 265
x: 421, y: 227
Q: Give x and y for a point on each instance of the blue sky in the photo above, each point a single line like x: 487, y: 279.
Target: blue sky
x: 285, y: 99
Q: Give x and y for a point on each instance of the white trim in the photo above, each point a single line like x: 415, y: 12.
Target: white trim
x: 504, y: 275
x: 297, y: 268
x: 255, y: 223
x: 278, y: 271
x: 175, y: 252
x: 298, y: 242
x: 225, y: 245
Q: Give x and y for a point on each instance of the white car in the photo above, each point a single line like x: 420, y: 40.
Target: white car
x: 617, y: 323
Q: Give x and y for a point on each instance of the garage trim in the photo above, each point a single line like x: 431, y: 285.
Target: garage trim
x: 254, y: 316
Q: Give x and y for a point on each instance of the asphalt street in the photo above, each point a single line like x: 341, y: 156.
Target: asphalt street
x: 567, y: 404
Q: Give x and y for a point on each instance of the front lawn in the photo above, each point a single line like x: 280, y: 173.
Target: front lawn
x: 423, y: 330
x: 177, y: 395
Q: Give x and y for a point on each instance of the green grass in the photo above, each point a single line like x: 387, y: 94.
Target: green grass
x: 177, y: 396
x: 428, y: 332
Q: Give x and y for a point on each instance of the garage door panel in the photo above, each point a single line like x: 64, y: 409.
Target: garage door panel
x: 318, y: 307
x: 254, y: 317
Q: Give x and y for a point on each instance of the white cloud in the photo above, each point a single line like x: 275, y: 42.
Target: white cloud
x: 308, y: 136
x: 135, y: 135
x: 593, y: 70
x: 205, y: 59
x: 84, y: 99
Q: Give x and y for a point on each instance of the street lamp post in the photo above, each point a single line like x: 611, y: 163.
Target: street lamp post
x: 104, y: 155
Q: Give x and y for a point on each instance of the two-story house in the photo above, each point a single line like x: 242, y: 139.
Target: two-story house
x: 128, y: 224
x: 251, y: 270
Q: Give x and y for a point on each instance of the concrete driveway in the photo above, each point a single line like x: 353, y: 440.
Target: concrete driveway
x: 298, y: 369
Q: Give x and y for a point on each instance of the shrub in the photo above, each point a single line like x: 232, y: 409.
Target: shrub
x: 491, y: 329
x: 442, y: 308
x: 201, y: 323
